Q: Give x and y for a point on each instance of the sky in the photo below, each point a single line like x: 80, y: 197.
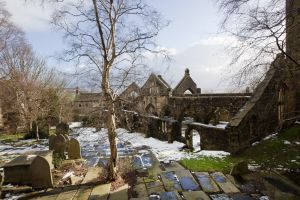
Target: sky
x: 193, y: 39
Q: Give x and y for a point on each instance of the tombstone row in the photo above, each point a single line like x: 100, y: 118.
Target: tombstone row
x: 64, y: 145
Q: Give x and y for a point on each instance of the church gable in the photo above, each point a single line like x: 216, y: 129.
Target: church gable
x: 155, y: 86
x: 186, y: 85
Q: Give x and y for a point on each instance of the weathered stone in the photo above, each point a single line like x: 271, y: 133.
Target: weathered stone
x: 51, y: 142
x: 67, y: 193
x: 240, y: 168
x: 92, y: 175
x: 187, y: 181
x: 74, y: 151
x: 75, y: 180
x: 83, y: 193
x: 207, y: 183
x: 60, y: 145
x: 195, y: 195
x: 173, y: 195
x: 224, y: 183
x: 100, y: 192
x: 120, y: 193
x: 40, y: 171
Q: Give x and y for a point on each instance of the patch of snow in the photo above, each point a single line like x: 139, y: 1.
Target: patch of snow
x: 218, y: 126
x: 297, y: 143
x: 270, y: 136
x: 30, y: 156
x: 297, y: 122
x: 255, y: 143
x: 75, y: 124
x: 163, y: 150
x: 264, y: 198
x: 287, y: 142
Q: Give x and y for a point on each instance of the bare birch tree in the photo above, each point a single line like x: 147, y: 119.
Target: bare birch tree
x: 109, y: 37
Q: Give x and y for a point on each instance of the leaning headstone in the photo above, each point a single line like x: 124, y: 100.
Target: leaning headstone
x: 239, y: 169
x: 40, y: 171
x: 51, y: 142
x: 60, y: 145
x: 74, y: 149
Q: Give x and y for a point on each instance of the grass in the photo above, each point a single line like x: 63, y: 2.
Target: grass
x: 7, y: 138
x: 209, y: 164
x: 281, y: 152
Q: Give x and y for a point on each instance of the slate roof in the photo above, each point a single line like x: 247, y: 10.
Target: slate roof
x: 88, y: 96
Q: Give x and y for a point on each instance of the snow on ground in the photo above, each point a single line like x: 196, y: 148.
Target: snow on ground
x: 270, y: 136
x: 75, y: 124
x: 161, y: 149
x: 22, y: 147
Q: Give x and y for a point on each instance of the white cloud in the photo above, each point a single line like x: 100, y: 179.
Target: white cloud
x: 29, y: 15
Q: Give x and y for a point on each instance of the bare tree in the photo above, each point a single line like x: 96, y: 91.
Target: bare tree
x: 110, y: 37
x: 260, y: 29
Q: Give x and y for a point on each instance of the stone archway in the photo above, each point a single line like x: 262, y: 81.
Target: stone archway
x: 193, y: 138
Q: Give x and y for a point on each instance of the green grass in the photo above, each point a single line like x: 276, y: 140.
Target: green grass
x: 7, y: 138
x: 269, y: 154
x: 209, y: 164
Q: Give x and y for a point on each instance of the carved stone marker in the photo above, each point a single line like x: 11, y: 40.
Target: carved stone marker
x: 60, y: 145
x: 74, y: 149
x: 30, y: 169
x: 51, y: 142
x: 40, y: 171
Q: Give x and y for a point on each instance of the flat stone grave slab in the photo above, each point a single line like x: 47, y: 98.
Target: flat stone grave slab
x: 187, y: 181
x: 83, y: 193
x: 195, y: 195
x: 155, y: 187
x: 67, y: 193
x: 92, y: 175
x: 224, y: 183
x: 220, y: 197
x: 173, y: 195
x: 172, y: 166
x: 100, y: 192
x: 120, y: 193
x: 140, y: 190
x: 142, y: 198
x: 170, y: 181
x: 241, y: 196
x: 207, y: 183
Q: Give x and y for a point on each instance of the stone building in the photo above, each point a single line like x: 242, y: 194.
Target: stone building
x: 154, y: 94
x: 87, y: 104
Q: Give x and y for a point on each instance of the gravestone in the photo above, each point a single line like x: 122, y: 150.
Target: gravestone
x: 40, y: 171
x: 60, y: 145
x: 74, y: 149
x: 51, y: 142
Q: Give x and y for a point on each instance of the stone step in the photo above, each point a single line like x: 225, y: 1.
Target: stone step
x: 140, y: 190
x: 170, y: 182
x: 207, y: 183
x: 92, y: 175
x: 68, y: 193
x: 172, y: 166
x: 83, y: 192
x: 173, y: 195
x: 187, y: 181
x: 195, y: 195
x: 100, y: 192
x: 155, y: 187
x: 224, y: 183
x: 120, y: 193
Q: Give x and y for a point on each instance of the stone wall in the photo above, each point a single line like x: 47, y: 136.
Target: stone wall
x: 259, y: 116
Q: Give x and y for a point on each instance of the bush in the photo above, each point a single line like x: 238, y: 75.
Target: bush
x: 62, y: 128
x: 43, y: 128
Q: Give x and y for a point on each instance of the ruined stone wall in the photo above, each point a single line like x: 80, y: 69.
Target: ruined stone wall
x: 259, y: 116
x: 211, y: 138
x: 203, y: 107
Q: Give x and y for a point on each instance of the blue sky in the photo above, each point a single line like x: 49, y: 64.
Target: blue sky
x: 192, y: 38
